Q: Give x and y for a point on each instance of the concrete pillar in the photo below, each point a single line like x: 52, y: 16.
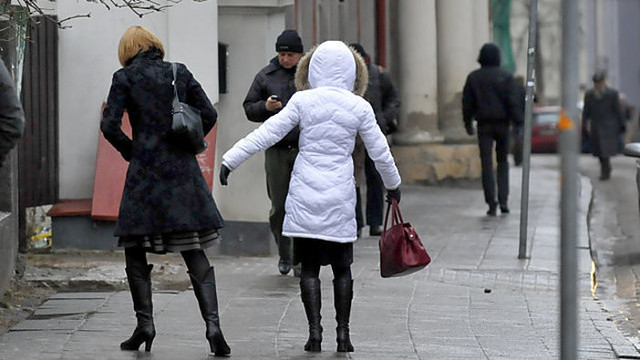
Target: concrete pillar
x: 481, y: 24
x: 417, y: 71
x: 461, y: 24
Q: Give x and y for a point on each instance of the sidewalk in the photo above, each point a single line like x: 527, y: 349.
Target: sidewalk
x: 476, y: 300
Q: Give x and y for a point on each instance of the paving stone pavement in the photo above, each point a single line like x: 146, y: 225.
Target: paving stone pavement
x: 476, y: 300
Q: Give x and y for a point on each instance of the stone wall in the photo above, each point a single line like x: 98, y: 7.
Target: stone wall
x: 434, y: 163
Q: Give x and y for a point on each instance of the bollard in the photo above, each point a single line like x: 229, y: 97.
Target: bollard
x: 526, y: 142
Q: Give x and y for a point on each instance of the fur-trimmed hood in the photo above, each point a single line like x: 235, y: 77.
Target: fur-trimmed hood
x: 331, y: 67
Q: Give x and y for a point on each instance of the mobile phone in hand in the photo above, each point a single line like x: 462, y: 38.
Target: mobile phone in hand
x: 275, y: 97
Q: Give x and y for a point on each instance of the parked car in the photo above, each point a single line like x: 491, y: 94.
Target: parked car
x: 544, y: 129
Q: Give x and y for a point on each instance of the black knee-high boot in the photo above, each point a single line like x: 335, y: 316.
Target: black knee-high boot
x: 343, y: 294
x: 140, y: 285
x: 205, y: 291
x: 312, y: 301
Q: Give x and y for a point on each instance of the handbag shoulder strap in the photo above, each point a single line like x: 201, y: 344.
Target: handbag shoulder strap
x: 174, y: 68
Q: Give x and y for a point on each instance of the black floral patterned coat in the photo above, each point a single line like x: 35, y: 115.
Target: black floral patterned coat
x: 164, y: 190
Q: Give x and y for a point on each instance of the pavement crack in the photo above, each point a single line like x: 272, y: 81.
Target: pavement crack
x: 408, y: 319
x: 85, y: 318
x: 279, y: 327
x: 475, y: 336
x: 530, y: 318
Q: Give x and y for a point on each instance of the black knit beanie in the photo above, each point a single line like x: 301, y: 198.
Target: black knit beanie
x: 289, y: 41
x: 360, y: 50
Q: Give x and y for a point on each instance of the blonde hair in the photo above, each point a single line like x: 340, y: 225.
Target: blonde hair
x: 135, y: 40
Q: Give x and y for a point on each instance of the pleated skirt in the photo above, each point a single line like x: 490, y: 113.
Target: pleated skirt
x: 171, y: 242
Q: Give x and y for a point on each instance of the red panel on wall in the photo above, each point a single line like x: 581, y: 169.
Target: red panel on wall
x: 111, y: 170
x: 108, y: 182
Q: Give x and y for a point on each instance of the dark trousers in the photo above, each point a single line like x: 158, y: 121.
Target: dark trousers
x: 375, y: 193
x: 487, y: 135
x: 278, y: 166
x: 605, y: 167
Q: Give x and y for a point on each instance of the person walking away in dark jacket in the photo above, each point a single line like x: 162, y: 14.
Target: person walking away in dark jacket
x: 602, y: 121
x: 490, y: 97
x: 166, y: 203
x: 321, y: 199
x: 270, y: 91
x: 11, y: 114
x: 383, y: 96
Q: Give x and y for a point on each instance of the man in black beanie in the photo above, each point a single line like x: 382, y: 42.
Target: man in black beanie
x: 383, y: 96
x: 270, y: 91
x: 490, y: 97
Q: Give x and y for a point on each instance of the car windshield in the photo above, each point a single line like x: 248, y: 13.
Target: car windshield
x: 549, y: 118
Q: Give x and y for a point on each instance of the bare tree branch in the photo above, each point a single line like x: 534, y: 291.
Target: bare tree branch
x: 32, y: 8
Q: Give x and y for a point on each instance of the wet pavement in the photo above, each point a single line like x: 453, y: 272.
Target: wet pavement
x: 476, y: 300
x: 615, y: 239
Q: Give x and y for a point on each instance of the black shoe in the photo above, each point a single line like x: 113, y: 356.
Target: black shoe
x: 604, y: 177
x: 375, y: 230
x: 504, y: 209
x: 492, y: 211
x: 284, y: 266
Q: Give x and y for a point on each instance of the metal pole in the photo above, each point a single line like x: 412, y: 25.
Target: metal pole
x: 569, y: 183
x: 526, y: 148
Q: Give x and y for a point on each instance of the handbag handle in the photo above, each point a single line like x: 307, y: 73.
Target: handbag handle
x: 396, y: 216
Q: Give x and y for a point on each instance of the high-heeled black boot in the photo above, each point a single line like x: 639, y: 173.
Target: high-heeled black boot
x: 312, y: 301
x: 343, y: 294
x: 205, y: 291
x: 140, y: 285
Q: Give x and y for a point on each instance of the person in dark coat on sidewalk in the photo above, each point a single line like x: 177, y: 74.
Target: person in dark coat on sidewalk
x: 383, y: 96
x: 166, y: 203
x: 490, y: 97
x: 602, y: 121
x: 11, y: 114
x: 270, y: 91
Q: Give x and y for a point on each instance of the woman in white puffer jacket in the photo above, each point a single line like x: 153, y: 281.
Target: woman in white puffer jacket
x: 320, y: 206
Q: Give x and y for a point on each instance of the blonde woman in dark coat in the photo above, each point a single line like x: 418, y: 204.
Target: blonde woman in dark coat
x: 166, y: 203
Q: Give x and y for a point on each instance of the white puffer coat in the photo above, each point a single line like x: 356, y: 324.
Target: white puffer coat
x: 321, y: 200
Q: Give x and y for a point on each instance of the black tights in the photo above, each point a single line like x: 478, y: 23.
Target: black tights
x: 196, y: 260
x: 313, y: 271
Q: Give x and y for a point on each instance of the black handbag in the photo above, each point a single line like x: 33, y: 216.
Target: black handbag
x: 186, y: 126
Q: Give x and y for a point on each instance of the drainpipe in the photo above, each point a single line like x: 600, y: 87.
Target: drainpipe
x: 381, y: 32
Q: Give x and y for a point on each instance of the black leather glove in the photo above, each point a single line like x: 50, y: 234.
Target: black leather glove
x: 393, y: 194
x: 224, y: 174
x: 469, y: 128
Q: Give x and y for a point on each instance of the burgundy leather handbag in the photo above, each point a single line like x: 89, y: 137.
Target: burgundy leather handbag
x: 401, y: 251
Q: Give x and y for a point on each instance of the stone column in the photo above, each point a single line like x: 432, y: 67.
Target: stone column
x: 481, y: 24
x: 418, y: 72
x: 460, y: 25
